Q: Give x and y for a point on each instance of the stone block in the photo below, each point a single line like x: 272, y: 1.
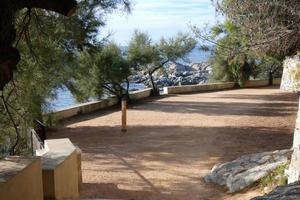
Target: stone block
x: 61, y: 174
x: 21, y: 178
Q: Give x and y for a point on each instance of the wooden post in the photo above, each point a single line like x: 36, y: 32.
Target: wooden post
x: 124, y: 114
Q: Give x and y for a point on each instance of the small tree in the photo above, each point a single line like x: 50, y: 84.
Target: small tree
x: 102, y: 72
x: 149, y: 57
x: 46, y: 46
x: 231, y: 60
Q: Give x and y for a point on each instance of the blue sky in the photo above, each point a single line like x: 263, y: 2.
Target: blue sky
x: 159, y: 18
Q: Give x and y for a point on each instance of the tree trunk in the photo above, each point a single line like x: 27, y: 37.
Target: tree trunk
x: 64, y: 7
x: 270, y: 77
x: 155, y: 91
x: 9, y: 55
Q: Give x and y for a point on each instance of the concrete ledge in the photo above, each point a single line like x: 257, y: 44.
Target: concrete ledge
x: 21, y: 178
x: 141, y: 94
x: 198, y: 88
x: 277, y: 81
x: 60, y: 170
x: 256, y: 83
x: 96, y: 105
x: 217, y: 86
x: 84, y: 108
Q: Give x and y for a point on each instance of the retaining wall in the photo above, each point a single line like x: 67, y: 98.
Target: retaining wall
x: 96, y: 105
x: 217, y: 86
x: 256, y: 83
x: 141, y: 94
x: 84, y: 108
x: 198, y: 88
x: 277, y: 81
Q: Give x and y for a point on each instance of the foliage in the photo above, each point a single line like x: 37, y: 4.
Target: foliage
x: 269, y: 67
x: 148, y: 57
x: 102, y: 72
x: 49, y: 45
x: 275, y: 178
x: 271, y: 27
x: 231, y: 62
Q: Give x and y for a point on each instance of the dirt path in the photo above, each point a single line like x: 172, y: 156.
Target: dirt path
x: 174, y: 141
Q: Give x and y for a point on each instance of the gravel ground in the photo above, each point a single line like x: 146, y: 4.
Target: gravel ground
x: 173, y: 141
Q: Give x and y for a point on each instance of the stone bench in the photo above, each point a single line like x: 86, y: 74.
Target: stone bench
x: 21, y: 178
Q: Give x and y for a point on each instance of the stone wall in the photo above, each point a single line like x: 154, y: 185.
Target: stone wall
x: 217, y: 86
x: 21, y: 178
x: 256, y: 83
x: 96, y: 105
x: 277, y: 81
x: 198, y: 88
x: 84, y: 108
x: 140, y: 94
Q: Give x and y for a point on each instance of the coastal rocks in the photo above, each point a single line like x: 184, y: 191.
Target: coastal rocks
x: 246, y: 170
x: 174, y: 68
x: 177, y: 74
x: 291, y: 74
x: 286, y: 192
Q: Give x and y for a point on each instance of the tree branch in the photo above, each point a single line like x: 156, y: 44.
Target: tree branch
x: 64, y: 7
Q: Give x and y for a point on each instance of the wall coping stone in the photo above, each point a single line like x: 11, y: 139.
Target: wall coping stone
x: 13, y: 165
x: 57, y: 151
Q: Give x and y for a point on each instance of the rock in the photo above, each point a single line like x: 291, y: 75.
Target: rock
x: 174, y: 68
x: 177, y: 74
x: 246, y: 170
x: 286, y: 192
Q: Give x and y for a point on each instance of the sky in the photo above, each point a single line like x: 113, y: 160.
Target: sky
x: 159, y: 18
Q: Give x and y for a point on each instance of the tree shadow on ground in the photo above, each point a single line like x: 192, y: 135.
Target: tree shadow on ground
x: 173, y: 150
x: 288, y: 97
x: 276, y: 109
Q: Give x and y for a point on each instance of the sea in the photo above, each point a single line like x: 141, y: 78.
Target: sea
x: 65, y: 99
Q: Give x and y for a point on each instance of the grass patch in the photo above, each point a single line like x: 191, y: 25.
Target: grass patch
x: 275, y: 178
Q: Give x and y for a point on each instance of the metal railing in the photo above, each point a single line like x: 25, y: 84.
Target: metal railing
x: 38, y: 136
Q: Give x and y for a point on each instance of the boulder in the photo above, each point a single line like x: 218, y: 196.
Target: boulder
x: 177, y: 68
x: 286, y: 192
x: 246, y: 170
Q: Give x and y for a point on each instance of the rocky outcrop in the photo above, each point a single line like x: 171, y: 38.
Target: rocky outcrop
x: 291, y: 74
x: 177, y: 74
x: 246, y: 170
x: 286, y: 192
x: 291, y: 82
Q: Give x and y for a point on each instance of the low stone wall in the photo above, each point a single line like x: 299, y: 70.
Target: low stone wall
x: 21, y: 178
x: 217, y: 86
x: 96, y: 105
x: 141, y: 94
x: 198, y: 88
x: 277, y: 81
x: 84, y: 108
x: 256, y: 83
x: 61, y: 170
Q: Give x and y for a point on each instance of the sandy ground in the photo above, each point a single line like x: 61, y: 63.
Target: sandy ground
x: 173, y: 141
